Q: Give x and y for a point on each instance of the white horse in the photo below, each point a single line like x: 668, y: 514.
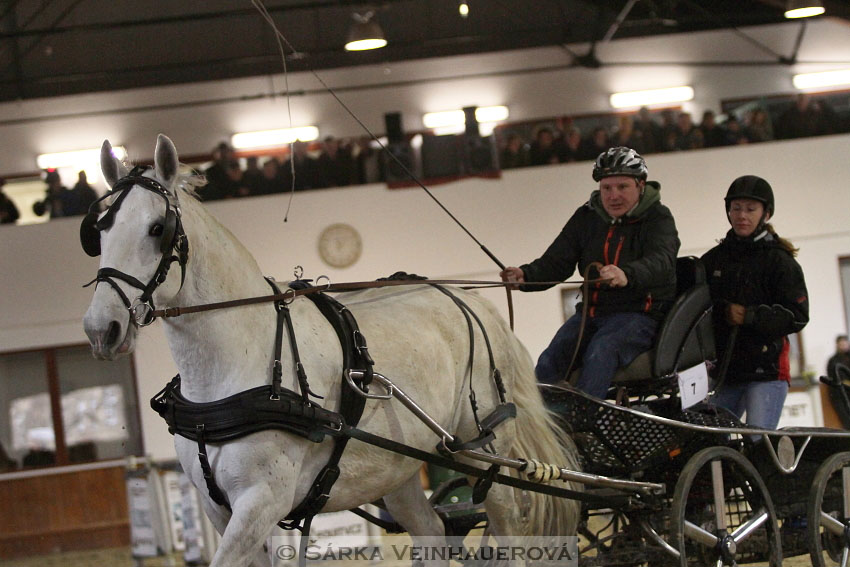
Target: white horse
x: 417, y: 337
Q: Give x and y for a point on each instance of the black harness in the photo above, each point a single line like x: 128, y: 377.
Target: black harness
x: 172, y: 240
x: 274, y: 407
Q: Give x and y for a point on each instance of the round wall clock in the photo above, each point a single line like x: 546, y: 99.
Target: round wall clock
x: 340, y: 245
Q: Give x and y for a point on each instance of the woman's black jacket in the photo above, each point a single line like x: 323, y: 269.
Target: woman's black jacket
x: 763, y: 276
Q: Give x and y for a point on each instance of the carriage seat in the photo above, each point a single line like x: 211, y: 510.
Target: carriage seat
x: 685, y: 337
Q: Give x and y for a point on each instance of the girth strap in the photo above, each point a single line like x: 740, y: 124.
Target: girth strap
x: 215, y: 492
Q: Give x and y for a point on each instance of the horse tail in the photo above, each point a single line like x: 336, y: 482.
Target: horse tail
x: 539, y: 437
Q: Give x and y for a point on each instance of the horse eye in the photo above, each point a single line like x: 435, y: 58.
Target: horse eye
x: 156, y: 230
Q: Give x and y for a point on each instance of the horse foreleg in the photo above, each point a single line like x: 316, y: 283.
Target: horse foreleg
x: 410, y: 508
x: 249, y: 527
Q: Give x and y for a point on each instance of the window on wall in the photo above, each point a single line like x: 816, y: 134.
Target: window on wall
x: 60, y: 406
x: 844, y: 264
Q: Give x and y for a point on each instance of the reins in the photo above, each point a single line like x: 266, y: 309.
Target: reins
x: 290, y: 294
x: 584, y: 312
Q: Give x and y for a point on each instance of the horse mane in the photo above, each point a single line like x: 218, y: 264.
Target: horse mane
x: 188, y: 181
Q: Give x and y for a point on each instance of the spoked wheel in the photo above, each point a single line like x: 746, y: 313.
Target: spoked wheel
x: 828, y: 518
x: 722, y: 513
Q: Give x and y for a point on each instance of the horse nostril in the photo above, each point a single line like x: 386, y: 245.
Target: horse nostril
x: 112, y: 334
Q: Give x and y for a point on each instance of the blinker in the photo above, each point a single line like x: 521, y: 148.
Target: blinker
x: 90, y: 235
x: 91, y: 226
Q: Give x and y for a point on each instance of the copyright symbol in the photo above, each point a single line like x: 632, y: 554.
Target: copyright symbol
x: 285, y: 552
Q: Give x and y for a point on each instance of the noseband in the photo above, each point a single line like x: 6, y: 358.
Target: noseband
x: 173, y: 240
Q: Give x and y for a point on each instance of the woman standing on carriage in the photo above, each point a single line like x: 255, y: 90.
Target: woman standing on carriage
x: 760, y: 297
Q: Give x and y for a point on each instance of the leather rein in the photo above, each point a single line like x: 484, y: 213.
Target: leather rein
x: 290, y: 294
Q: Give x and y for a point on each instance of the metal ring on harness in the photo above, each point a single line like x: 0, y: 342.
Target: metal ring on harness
x: 288, y: 296
x: 143, y: 318
x: 298, y: 272
x: 327, y: 285
x: 351, y: 374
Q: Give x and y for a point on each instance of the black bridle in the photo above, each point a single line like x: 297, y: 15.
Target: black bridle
x: 173, y: 239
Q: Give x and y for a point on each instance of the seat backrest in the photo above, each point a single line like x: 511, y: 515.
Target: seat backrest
x: 686, y: 336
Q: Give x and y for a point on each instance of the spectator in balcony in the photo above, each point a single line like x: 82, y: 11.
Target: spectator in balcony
x: 597, y: 143
x: 80, y: 197
x: 650, y: 132
x: 627, y: 135
x: 8, y: 211
x: 55, y: 199
x: 827, y: 119
x: 252, y: 176
x: 236, y: 185
x: 367, y: 162
x: 759, y: 127
x: 712, y: 134
x: 805, y: 118
x: 272, y: 179
x: 216, y: 174
x: 686, y: 135
x: 335, y: 163
x: 515, y: 153
x: 734, y: 133
x: 572, y: 144
x: 306, y: 169
x: 544, y: 150
x: 668, y: 130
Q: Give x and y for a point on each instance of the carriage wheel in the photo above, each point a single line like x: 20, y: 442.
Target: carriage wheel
x: 829, y: 513
x: 722, y: 513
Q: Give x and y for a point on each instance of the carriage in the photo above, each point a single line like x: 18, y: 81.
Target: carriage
x: 273, y: 387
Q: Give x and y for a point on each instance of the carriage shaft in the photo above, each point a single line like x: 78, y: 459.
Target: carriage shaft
x: 522, y: 465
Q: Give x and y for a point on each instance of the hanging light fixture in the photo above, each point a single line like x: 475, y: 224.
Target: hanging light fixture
x: 365, y: 33
x: 803, y: 8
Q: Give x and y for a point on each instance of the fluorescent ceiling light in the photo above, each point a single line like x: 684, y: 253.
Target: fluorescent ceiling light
x: 273, y: 138
x: 79, y: 160
x: 491, y: 113
x: 76, y: 157
x: 637, y: 99
x: 446, y: 118
x: 821, y: 79
x: 803, y: 9
x: 443, y: 118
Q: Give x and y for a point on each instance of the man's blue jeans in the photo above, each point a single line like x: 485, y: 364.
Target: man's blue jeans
x: 609, y: 342
x: 762, y: 401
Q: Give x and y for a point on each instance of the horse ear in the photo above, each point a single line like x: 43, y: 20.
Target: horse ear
x: 112, y: 168
x: 165, y: 160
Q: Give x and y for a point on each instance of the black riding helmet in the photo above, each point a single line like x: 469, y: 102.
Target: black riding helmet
x: 751, y: 187
x: 619, y: 161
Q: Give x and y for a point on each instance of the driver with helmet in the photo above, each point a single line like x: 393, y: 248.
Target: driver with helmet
x: 624, y: 227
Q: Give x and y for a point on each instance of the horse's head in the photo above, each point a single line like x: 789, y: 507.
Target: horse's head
x: 138, y: 237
